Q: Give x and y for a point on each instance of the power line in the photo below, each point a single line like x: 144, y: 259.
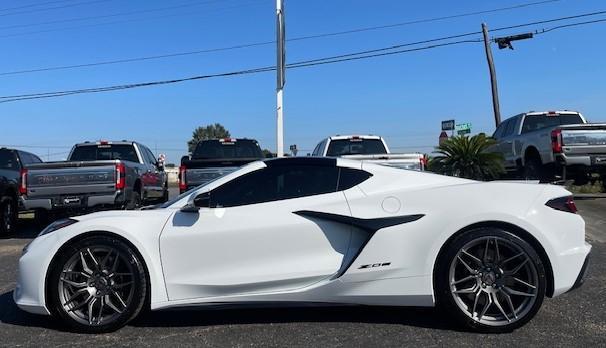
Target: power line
x: 428, y: 20
x: 265, y: 43
x: 34, y: 5
x: 107, y: 23
x: 53, y: 8
x: 308, y: 63
x: 119, y: 14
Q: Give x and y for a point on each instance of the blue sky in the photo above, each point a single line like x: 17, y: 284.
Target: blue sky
x: 402, y: 97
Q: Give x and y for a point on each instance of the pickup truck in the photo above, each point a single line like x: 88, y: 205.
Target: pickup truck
x: 96, y: 175
x: 12, y: 164
x: 214, y: 158
x: 543, y: 145
x: 368, y: 148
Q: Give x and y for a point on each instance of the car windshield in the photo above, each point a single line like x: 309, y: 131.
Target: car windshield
x: 354, y: 146
x: 214, y: 149
x: 104, y: 152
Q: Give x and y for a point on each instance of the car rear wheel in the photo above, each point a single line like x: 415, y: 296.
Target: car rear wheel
x: 97, y: 285
x: 8, y: 216
x: 533, y: 169
x: 490, y: 280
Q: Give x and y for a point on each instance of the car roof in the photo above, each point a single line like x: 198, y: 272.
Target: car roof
x: 312, y: 161
x: 343, y: 137
x: 106, y: 142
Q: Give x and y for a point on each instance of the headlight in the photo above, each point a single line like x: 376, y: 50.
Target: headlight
x: 59, y: 224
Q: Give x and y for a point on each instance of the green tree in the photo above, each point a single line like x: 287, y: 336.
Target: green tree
x: 212, y: 131
x: 468, y: 157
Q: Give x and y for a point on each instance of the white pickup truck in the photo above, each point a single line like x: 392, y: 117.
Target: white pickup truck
x: 368, y: 148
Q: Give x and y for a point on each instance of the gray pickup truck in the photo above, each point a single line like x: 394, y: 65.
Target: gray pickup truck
x: 214, y: 158
x: 96, y: 175
x: 550, y: 144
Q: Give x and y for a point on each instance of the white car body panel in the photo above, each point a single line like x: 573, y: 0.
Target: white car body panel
x: 265, y: 252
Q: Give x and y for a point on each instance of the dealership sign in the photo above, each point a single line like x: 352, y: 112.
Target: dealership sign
x: 448, y: 125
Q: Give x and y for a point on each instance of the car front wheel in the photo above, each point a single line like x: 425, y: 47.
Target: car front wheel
x: 97, y: 285
x: 490, y: 280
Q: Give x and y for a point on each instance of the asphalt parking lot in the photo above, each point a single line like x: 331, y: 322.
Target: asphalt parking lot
x: 574, y: 319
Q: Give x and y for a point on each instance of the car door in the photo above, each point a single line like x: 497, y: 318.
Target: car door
x: 507, y: 143
x: 152, y: 178
x: 250, y: 241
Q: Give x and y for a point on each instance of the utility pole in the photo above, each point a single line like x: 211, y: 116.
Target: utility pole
x: 493, y: 77
x: 280, y: 70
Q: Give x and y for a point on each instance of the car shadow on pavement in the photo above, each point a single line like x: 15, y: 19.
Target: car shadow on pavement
x: 409, y: 316
x: 11, y: 314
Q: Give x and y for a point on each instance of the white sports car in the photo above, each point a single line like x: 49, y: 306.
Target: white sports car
x: 315, y: 230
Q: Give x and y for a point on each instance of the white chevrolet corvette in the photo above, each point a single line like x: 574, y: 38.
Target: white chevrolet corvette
x: 315, y: 230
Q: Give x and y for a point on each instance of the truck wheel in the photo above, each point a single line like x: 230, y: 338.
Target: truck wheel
x: 533, y: 170
x: 8, y: 216
x: 135, y: 201
x: 165, y: 195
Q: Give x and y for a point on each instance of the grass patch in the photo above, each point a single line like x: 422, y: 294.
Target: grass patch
x: 592, y: 187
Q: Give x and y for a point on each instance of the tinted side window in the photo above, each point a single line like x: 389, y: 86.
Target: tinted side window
x: 510, y: 127
x: 500, y: 129
x: 275, y: 183
x: 349, y: 178
x: 147, y: 155
x: 8, y: 160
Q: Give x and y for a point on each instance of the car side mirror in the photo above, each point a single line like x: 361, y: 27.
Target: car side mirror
x: 200, y: 201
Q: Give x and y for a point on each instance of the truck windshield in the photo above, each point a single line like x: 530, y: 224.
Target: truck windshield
x: 344, y: 147
x: 215, y: 149
x: 536, y: 122
x: 104, y: 152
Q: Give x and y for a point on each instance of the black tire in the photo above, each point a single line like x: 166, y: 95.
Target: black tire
x: 8, y: 216
x: 533, y: 169
x: 76, y: 319
x: 135, y: 201
x: 470, y: 318
x: 165, y: 196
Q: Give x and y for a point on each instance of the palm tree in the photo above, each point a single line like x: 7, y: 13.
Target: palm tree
x: 468, y: 157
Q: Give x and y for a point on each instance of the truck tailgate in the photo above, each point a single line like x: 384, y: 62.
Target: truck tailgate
x: 71, y: 178
x: 584, y: 139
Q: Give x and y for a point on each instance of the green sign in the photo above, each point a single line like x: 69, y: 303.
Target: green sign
x: 463, y: 127
x: 463, y: 131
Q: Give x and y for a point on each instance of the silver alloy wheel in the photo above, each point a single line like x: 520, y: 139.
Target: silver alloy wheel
x: 96, y: 285
x: 493, y: 281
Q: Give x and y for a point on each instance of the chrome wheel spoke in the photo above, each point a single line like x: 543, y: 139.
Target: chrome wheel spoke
x: 91, y: 306
x: 106, y: 258
x: 495, y: 299
x: 486, y: 306
x: 77, y: 273
x: 474, y: 258
x: 511, y: 291
x: 100, y: 316
x: 117, y: 295
x: 90, y: 254
x: 470, y: 277
x: 508, y: 298
x: 512, y: 258
x: 524, y: 283
x: 475, y: 303
x: 467, y: 291
x: 75, y: 296
x: 73, y: 283
x: 497, y: 256
x: 84, y: 264
x: 119, y: 286
x: 111, y: 305
x: 471, y: 270
x: 81, y: 304
x: 486, y: 251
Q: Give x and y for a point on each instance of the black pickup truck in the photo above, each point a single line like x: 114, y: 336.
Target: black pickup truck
x: 12, y: 168
x: 214, y: 158
x: 96, y: 175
